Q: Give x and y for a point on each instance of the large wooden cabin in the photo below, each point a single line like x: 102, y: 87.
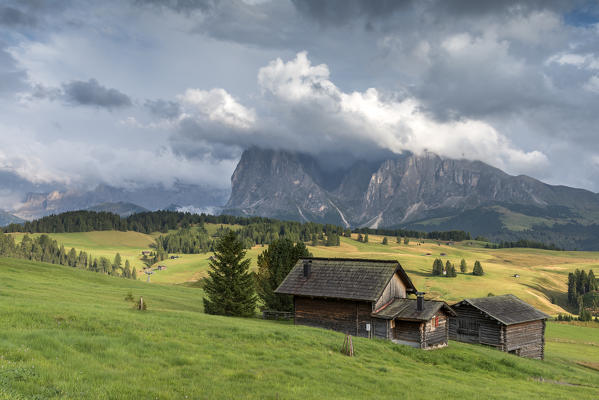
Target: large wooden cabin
x: 504, y: 322
x: 365, y: 298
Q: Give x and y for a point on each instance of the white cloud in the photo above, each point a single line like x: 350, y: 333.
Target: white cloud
x: 218, y: 106
x: 349, y: 120
x: 583, y: 61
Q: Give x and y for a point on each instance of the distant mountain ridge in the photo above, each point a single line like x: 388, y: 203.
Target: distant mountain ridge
x: 7, y: 219
x: 424, y: 192
x: 120, y: 208
x: 37, y: 205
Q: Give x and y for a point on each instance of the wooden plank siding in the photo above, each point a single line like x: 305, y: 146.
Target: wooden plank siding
x: 526, y: 339
x: 395, y: 289
x: 345, y: 316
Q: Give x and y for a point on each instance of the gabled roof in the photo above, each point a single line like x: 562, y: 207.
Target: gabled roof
x: 507, y: 309
x: 405, y: 309
x: 343, y: 278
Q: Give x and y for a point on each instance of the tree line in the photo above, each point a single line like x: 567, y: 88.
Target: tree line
x: 453, y: 236
x: 531, y: 244
x: 44, y: 249
x: 580, y: 283
x: 196, y: 239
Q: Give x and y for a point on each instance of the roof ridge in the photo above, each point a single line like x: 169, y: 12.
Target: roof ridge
x: 350, y: 259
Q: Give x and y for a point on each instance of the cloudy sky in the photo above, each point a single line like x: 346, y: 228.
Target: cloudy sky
x: 134, y: 93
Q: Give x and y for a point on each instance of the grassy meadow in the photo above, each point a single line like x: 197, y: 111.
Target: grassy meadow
x: 542, y: 273
x: 68, y: 333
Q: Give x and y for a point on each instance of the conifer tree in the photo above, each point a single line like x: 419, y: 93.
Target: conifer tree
x: 478, y: 269
x: 229, y: 286
x: 360, y: 237
x: 273, y: 266
x: 572, y: 295
x: 437, y: 267
x: 127, y: 270
x: 592, y: 281
x: 385, y: 241
x: 366, y: 237
x: 117, y: 261
x: 134, y: 274
x: 463, y: 266
x: 406, y: 241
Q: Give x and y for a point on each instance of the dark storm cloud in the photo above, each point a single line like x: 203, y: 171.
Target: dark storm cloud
x: 163, y: 108
x: 339, y: 12
x: 10, y: 16
x: 91, y: 93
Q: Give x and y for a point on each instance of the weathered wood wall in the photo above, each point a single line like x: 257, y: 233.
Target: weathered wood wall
x: 472, y: 326
x: 381, y: 328
x: 395, y: 289
x: 408, y: 331
x: 526, y: 339
x: 339, y: 315
x: 435, y: 336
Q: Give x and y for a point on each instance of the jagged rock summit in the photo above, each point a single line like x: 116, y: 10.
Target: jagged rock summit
x: 419, y: 191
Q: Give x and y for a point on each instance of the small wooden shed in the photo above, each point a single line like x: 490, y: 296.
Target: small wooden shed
x: 504, y: 322
x: 414, y: 322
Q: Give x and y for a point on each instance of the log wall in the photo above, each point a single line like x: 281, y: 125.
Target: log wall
x: 408, y: 331
x: 526, y: 339
x: 339, y: 315
x: 473, y: 326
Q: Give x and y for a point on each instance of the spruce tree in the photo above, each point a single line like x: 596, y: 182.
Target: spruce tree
x: 134, y: 273
x: 360, y: 237
x: 572, y: 295
x: 463, y: 266
x: 592, y: 281
x: 229, y: 286
x: 127, y: 270
x: 478, y: 269
x: 366, y: 238
x: 385, y: 241
x: 406, y: 241
x: 273, y: 266
x: 437, y: 267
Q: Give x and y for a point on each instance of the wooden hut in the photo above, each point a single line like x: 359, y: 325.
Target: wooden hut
x: 504, y: 322
x: 364, y: 298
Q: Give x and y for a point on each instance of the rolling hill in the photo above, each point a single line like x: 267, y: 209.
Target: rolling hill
x: 69, y: 333
x: 542, y: 273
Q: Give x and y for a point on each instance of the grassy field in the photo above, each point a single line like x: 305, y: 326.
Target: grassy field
x: 68, y: 333
x: 542, y: 273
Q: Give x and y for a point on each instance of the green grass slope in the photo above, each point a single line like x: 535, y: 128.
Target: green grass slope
x: 543, y: 273
x: 68, y: 333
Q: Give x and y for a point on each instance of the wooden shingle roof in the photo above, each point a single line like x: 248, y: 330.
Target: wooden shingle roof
x: 343, y: 278
x: 507, y: 309
x: 405, y: 309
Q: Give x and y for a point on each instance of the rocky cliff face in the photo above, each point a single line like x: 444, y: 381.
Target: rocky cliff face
x: 403, y: 191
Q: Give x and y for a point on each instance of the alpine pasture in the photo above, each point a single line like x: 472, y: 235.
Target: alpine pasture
x: 70, y: 333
